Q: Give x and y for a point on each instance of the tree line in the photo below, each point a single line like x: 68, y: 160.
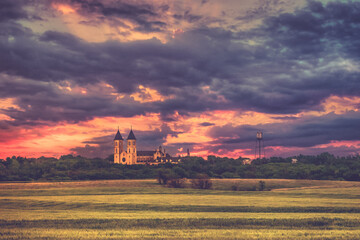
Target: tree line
x: 324, y: 166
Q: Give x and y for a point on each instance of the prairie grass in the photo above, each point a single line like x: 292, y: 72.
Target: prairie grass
x: 218, y: 184
x: 281, y: 184
x: 186, y: 200
x: 80, y: 184
x: 53, y: 233
x: 14, y: 214
x: 184, y: 223
x: 141, y: 209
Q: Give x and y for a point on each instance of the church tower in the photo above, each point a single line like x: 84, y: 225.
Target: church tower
x: 131, y: 148
x: 118, y: 147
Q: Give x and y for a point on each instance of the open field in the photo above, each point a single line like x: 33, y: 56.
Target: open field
x: 141, y: 209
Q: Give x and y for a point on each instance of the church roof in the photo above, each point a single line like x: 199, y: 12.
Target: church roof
x: 131, y: 136
x: 118, y: 136
x: 146, y: 153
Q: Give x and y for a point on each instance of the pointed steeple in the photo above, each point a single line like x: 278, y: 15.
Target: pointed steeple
x: 118, y: 136
x: 131, y: 135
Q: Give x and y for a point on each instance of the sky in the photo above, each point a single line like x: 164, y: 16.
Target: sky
x: 203, y: 75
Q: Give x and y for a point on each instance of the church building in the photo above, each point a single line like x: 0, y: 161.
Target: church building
x: 132, y: 156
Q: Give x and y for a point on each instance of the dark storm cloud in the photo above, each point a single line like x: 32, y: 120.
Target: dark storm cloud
x: 316, y: 30
x: 40, y: 101
x: 302, y: 61
x: 146, y: 16
x: 91, y: 151
x: 206, y: 124
x: 101, y: 140
x: 23, y: 56
x: 293, y: 94
x: 96, y: 147
x: 12, y: 10
x: 295, y: 63
x: 263, y: 9
x: 14, y: 86
x: 70, y: 108
x: 146, y: 140
x: 187, y: 16
x: 119, y: 8
x: 285, y: 118
x: 59, y: 56
x: 188, y: 100
x: 306, y: 132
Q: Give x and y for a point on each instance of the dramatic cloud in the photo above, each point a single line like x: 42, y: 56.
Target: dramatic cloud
x: 39, y: 101
x: 178, y: 61
x: 12, y: 10
x: 299, y: 133
x: 143, y: 15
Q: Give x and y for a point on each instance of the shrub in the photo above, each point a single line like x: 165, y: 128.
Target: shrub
x: 247, y: 188
x: 202, y: 181
x: 261, y: 185
x: 164, y: 175
x: 176, y: 183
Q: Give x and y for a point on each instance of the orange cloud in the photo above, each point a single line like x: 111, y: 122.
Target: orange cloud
x: 64, y: 9
x: 341, y: 105
x: 7, y: 103
x: 145, y: 94
x: 355, y: 144
x: 57, y: 140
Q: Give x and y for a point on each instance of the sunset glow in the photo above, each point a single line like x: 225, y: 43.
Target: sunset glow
x: 197, y: 75
x: 65, y: 9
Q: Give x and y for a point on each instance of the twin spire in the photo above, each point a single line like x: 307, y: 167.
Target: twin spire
x: 131, y: 135
x: 119, y: 137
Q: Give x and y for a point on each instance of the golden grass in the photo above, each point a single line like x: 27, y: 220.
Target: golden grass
x: 35, y: 233
x: 218, y: 184
x: 282, y: 184
x: 47, y: 210
x: 14, y: 214
x: 80, y: 184
x: 257, y: 199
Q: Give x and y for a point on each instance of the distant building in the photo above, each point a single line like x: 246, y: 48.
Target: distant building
x: 294, y: 160
x: 247, y: 161
x: 132, y: 156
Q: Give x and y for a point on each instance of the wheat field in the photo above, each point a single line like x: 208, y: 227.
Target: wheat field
x: 142, y: 209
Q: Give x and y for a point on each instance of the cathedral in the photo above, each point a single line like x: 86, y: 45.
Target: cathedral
x: 133, y: 156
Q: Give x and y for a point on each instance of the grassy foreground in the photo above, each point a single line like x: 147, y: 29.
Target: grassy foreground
x: 141, y: 209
